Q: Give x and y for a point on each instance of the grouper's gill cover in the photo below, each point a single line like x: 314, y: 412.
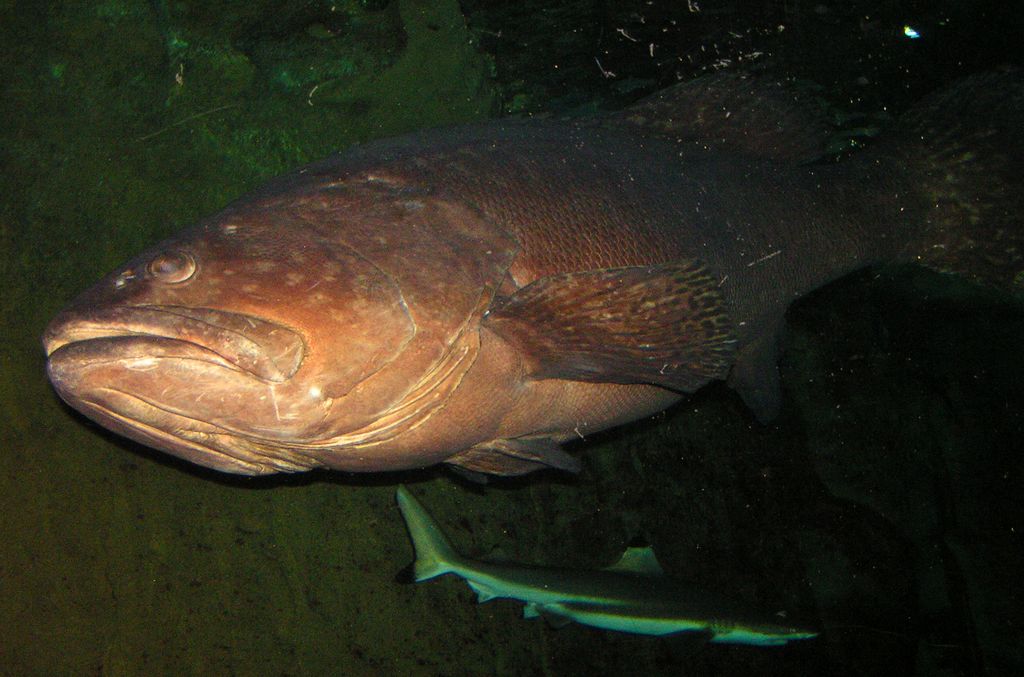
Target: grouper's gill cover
x: 281, y: 326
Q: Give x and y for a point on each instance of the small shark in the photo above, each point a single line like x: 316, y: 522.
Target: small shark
x: 633, y: 595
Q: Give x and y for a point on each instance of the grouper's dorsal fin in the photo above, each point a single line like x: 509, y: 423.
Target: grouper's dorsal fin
x: 736, y: 112
x: 664, y: 325
x: 638, y: 561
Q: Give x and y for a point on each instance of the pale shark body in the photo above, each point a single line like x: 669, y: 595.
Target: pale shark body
x: 633, y: 595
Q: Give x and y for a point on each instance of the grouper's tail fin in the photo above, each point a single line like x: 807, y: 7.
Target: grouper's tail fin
x: 964, y: 148
x: 434, y: 554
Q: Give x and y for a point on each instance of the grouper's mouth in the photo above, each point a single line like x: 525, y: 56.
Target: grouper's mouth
x: 267, y: 350
x: 111, y: 364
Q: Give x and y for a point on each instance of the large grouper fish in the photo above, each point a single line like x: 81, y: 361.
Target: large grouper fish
x: 478, y: 295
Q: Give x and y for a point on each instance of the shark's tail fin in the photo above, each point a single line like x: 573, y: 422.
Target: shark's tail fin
x: 964, y: 148
x: 434, y: 554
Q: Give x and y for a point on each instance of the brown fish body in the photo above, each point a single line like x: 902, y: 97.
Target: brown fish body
x: 472, y: 296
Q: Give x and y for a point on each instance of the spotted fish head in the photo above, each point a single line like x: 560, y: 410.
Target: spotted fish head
x: 281, y: 327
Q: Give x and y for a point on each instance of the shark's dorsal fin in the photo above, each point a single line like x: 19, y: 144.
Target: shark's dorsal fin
x: 638, y: 561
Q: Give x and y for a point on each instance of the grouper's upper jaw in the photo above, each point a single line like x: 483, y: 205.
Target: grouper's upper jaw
x: 198, y: 383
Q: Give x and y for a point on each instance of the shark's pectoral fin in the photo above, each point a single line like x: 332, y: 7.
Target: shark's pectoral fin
x: 554, y: 619
x: 665, y: 325
x: 514, y: 457
x: 483, y: 592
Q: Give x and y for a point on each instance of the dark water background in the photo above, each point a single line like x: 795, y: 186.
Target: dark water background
x: 884, y: 505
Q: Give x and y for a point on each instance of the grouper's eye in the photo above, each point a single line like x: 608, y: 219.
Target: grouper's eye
x: 172, y: 267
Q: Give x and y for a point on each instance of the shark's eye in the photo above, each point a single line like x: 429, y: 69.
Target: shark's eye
x: 172, y: 267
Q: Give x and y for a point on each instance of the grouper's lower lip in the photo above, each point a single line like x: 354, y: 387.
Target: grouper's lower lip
x: 117, y: 380
x: 265, y: 349
x: 177, y: 446
x: 92, y: 377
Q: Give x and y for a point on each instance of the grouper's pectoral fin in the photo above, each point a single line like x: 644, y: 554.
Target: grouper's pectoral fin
x: 512, y: 457
x: 664, y: 325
